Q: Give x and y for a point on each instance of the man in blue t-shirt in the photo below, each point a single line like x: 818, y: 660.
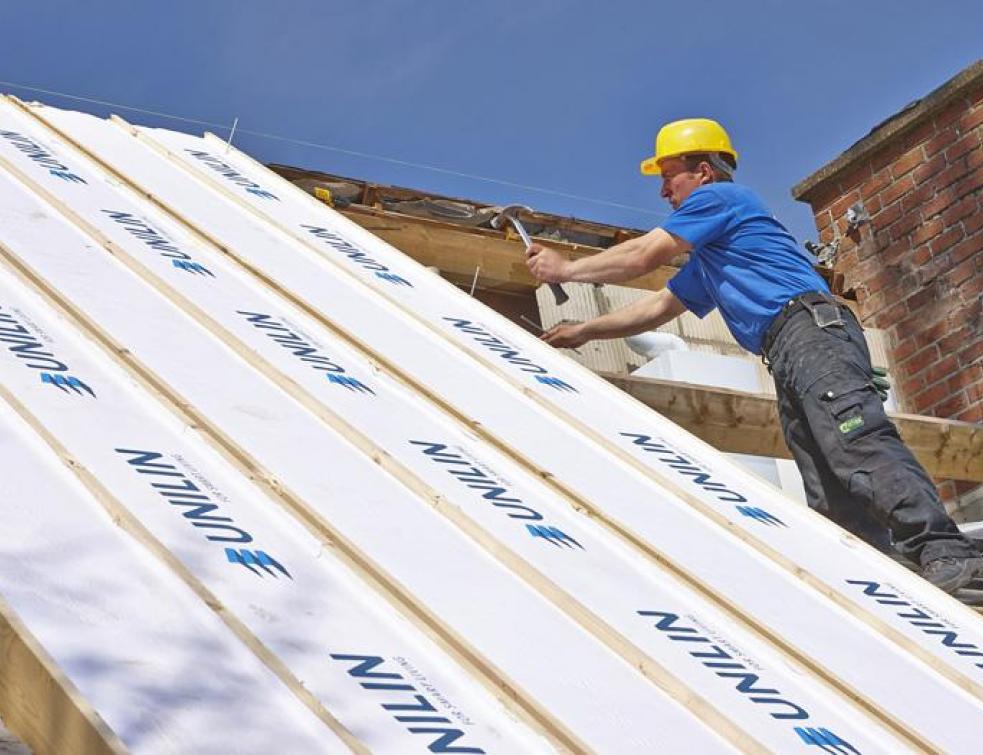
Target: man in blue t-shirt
x: 856, y: 469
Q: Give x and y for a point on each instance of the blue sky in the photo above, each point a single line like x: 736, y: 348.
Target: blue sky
x: 564, y: 96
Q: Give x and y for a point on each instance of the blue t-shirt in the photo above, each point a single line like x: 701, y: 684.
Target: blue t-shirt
x: 743, y: 261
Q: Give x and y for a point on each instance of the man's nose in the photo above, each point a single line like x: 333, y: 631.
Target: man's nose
x: 666, y: 192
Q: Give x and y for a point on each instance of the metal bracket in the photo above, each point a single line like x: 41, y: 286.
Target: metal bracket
x: 856, y: 216
x: 825, y: 253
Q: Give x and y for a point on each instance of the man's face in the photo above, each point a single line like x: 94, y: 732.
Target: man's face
x: 678, y: 182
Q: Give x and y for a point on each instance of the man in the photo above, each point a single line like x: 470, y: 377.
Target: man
x: 855, y: 467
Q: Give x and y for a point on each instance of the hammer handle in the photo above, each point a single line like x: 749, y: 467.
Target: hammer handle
x: 559, y: 294
x: 521, y: 229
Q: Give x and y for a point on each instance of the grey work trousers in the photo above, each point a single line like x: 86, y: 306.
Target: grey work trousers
x: 856, y: 469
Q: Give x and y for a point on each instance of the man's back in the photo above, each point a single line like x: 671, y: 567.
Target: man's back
x: 744, y: 261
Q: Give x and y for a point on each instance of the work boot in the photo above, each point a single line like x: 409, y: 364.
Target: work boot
x: 949, y: 574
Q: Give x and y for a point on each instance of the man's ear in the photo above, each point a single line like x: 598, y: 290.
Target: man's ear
x: 707, y: 174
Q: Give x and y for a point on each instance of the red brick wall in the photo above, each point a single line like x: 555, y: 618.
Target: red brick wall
x: 917, y: 267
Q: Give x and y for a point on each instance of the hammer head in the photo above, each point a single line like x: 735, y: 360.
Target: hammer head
x: 508, y: 213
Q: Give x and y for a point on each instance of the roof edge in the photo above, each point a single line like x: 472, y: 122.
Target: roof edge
x: 902, y: 121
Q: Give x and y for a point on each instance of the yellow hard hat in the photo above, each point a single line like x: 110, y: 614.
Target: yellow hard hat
x: 686, y: 137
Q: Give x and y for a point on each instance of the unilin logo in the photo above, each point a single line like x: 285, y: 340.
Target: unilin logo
x: 553, y: 535
x: 405, y: 703
x: 906, y: 610
x: 42, y: 157
x: 760, y: 515
x: 473, y: 476
x: 356, y: 256
x: 156, y: 240
x: 685, y: 468
x: 254, y: 560
x: 66, y: 383
x: 198, y: 508
x: 231, y: 174
x: 509, y: 353
x: 304, y: 351
x: 720, y: 659
x: 26, y: 346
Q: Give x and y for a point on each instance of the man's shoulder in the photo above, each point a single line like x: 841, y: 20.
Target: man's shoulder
x: 742, y: 201
x: 719, y: 196
x: 728, y: 191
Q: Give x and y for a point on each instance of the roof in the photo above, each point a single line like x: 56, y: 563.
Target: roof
x: 271, y: 483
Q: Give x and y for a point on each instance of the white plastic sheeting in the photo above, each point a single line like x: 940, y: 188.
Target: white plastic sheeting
x: 625, y: 585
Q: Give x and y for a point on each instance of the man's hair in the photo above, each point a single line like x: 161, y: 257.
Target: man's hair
x: 723, y: 164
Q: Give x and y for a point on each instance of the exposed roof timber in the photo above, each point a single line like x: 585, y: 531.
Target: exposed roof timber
x: 39, y: 702
x: 457, y: 250
x: 374, y: 195
x: 747, y: 423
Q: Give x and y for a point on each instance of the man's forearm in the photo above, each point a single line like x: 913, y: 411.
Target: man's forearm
x: 647, y: 314
x: 627, y: 260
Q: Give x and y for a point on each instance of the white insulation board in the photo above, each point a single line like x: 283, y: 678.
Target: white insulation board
x: 159, y: 666
x: 657, y: 597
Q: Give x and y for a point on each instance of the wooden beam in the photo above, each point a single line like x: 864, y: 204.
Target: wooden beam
x: 373, y: 194
x: 39, y: 704
x: 457, y: 250
x: 747, y: 423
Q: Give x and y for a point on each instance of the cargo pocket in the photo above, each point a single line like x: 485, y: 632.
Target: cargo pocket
x: 853, y: 407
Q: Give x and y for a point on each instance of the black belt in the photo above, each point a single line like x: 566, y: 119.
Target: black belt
x: 802, y: 301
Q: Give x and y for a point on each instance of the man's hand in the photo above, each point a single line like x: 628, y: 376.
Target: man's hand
x: 547, y: 265
x: 565, y: 336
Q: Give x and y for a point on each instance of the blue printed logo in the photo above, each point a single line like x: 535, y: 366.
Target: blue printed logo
x: 251, y: 559
x: 476, y: 476
x: 721, y: 660
x: 192, y: 267
x: 407, y: 704
x: 156, y: 240
x: 66, y: 383
x: 355, y: 255
x: 825, y: 740
x: 25, y: 345
x: 509, y: 353
x: 231, y: 174
x: 393, y: 278
x: 760, y: 515
x: 921, y: 620
x: 553, y: 382
x: 304, y: 351
x: 41, y: 156
x: 553, y: 535
x: 198, y: 508
x: 683, y: 467
x: 348, y: 382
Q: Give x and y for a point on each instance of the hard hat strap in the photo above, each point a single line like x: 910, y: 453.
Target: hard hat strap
x: 720, y: 165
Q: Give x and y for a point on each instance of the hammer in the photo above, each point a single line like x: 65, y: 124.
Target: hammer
x: 509, y: 213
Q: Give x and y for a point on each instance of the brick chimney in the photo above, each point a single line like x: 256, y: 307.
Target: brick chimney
x: 916, y: 267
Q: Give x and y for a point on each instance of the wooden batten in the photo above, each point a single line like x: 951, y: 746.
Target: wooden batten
x: 747, y: 423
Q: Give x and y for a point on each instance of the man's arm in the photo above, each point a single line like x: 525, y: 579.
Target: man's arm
x: 645, y: 314
x: 621, y: 262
